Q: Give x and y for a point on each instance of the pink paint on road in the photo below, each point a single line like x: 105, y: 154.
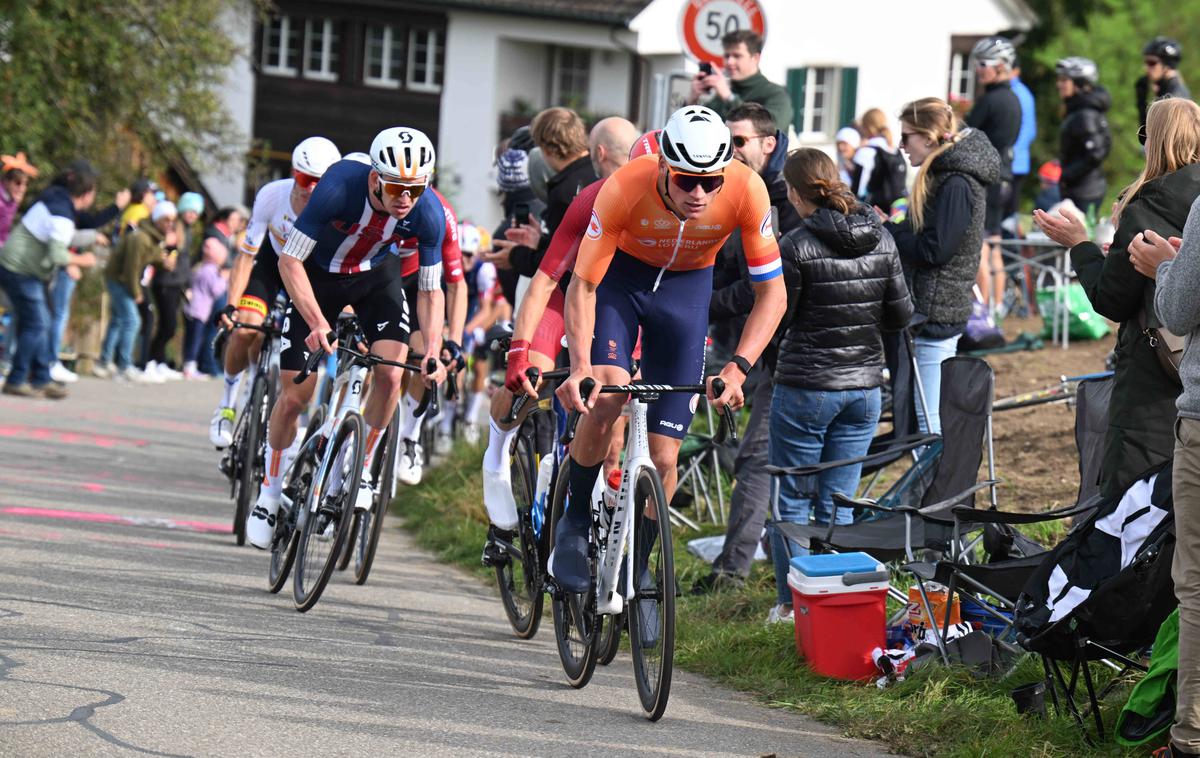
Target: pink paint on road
x: 112, y: 518
x: 93, y: 486
x: 42, y: 434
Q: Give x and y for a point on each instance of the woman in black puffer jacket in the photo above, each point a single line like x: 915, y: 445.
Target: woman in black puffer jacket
x: 1084, y: 139
x: 845, y: 286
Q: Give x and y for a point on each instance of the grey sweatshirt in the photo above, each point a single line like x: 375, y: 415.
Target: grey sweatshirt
x: 1178, y: 309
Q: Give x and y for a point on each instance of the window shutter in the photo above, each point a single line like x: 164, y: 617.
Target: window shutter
x: 796, y: 79
x: 849, y: 101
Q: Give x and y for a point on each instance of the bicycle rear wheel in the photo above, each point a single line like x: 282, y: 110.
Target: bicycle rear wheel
x: 520, y: 578
x: 328, y: 512
x: 610, y: 638
x: 576, y: 626
x: 252, y: 450
x: 297, y: 485
x: 652, y: 612
x: 369, y: 525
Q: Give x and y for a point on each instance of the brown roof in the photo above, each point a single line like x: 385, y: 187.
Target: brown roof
x: 617, y: 12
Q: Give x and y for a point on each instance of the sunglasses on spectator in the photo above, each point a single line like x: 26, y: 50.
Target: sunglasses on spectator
x: 306, y: 181
x: 904, y: 137
x: 18, y: 181
x: 395, y: 189
x: 985, y: 63
x: 740, y: 141
x: 1152, y: 62
x: 710, y: 183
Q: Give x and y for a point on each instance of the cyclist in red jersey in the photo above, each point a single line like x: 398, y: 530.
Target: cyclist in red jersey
x: 538, y: 329
x: 646, y: 262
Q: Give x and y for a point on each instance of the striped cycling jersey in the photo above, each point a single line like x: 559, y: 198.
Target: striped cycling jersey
x: 452, y: 267
x: 629, y: 215
x: 342, y: 233
x: 272, y: 218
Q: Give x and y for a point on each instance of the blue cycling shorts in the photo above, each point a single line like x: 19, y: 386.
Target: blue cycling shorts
x: 674, y: 327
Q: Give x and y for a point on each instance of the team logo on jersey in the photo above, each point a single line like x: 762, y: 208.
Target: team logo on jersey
x: 645, y: 222
x: 595, y: 228
x: 662, y: 223
x: 765, y: 228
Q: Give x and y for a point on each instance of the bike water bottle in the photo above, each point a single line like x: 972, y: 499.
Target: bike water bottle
x: 611, y: 493
x: 545, y: 471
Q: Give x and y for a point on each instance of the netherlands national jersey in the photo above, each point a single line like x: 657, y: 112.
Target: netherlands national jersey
x: 343, y: 234
x: 451, y: 252
x: 272, y: 218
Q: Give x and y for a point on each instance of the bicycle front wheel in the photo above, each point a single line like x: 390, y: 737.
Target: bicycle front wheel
x: 520, y: 578
x: 296, y: 485
x: 652, y: 611
x: 369, y: 525
x: 328, y: 512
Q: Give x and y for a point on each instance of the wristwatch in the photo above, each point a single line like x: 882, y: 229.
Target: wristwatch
x: 743, y: 365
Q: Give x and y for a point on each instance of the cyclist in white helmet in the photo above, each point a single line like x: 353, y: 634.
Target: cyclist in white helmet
x: 339, y: 254
x: 254, y: 282
x: 645, y: 264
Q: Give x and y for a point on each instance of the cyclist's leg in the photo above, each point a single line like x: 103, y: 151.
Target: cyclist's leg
x: 251, y: 309
x: 383, y: 310
x: 412, y: 458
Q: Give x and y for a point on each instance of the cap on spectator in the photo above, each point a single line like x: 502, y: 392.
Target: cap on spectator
x: 521, y: 139
x: 164, y: 209
x: 140, y: 188
x: 191, y: 201
x: 17, y: 163
x: 1051, y: 171
x: 512, y: 170
x: 849, y: 135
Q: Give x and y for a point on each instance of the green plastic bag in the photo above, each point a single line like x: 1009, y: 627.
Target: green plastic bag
x: 1083, y: 323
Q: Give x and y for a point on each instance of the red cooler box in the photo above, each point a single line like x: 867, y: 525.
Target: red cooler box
x: 840, y: 609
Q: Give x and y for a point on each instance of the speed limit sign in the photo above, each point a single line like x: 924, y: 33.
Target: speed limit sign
x: 702, y: 24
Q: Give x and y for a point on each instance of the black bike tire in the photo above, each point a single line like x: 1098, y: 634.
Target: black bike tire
x: 283, y: 549
x: 369, y: 526
x: 351, y: 426
x: 524, y: 626
x: 578, y: 669
x: 610, y: 638
x: 654, y: 695
x: 250, y: 450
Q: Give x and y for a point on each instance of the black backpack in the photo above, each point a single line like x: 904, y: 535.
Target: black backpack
x: 888, y: 182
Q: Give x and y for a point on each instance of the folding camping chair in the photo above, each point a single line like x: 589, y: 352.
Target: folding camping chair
x: 1102, y: 594
x: 1011, y: 557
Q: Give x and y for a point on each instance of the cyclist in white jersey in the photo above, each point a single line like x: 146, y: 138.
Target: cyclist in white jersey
x: 254, y: 282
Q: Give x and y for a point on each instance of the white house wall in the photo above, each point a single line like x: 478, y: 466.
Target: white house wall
x: 227, y: 183
x: 485, y: 71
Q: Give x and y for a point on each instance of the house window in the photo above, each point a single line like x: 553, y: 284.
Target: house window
x: 819, y: 105
x: 962, y: 77
x: 426, y: 57
x: 320, y: 49
x: 383, y: 66
x: 572, y: 75
x: 281, y: 46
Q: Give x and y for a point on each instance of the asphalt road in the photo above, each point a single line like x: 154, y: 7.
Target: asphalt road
x: 130, y: 623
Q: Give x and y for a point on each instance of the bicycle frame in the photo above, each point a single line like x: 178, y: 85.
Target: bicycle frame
x: 618, y: 542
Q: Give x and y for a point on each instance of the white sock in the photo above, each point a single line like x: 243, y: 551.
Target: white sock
x: 495, y: 457
x: 448, y: 417
x: 227, y: 394
x: 273, y: 479
x: 475, y: 410
x: 411, y: 429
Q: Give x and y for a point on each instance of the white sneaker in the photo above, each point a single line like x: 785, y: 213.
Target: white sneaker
x: 134, y: 375
x: 365, y: 496
x: 443, y: 444
x: 411, y: 463
x: 62, y: 374
x: 498, y: 499
x: 220, y: 429
x: 260, y: 524
x: 779, y: 616
x: 471, y: 434
x: 163, y: 372
x: 104, y: 370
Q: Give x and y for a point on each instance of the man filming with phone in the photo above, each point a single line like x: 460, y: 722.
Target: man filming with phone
x: 741, y: 81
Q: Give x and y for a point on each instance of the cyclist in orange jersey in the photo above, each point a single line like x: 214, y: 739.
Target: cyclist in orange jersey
x: 646, y: 262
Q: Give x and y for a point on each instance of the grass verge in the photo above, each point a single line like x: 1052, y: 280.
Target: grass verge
x: 937, y: 712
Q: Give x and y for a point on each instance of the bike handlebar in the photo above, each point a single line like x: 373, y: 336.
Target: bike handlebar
x: 728, y: 429
x: 534, y: 374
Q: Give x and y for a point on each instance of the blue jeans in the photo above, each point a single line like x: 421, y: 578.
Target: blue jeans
x: 930, y: 354
x: 60, y: 305
x: 193, y: 335
x: 123, y: 329
x: 815, y: 426
x: 208, y: 361
x: 32, y: 358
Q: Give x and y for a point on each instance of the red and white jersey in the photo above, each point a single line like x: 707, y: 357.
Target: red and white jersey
x: 452, y: 267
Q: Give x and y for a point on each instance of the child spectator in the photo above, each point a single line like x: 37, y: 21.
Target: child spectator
x: 1048, y: 177
x: 208, y: 284
x: 15, y: 180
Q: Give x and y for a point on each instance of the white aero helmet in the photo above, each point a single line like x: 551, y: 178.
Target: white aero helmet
x: 362, y: 158
x: 313, y: 156
x: 402, y: 153
x: 469, y: 239
x: 696, y: 140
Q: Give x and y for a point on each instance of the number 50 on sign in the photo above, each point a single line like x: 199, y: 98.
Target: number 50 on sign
x: 702, y: 24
